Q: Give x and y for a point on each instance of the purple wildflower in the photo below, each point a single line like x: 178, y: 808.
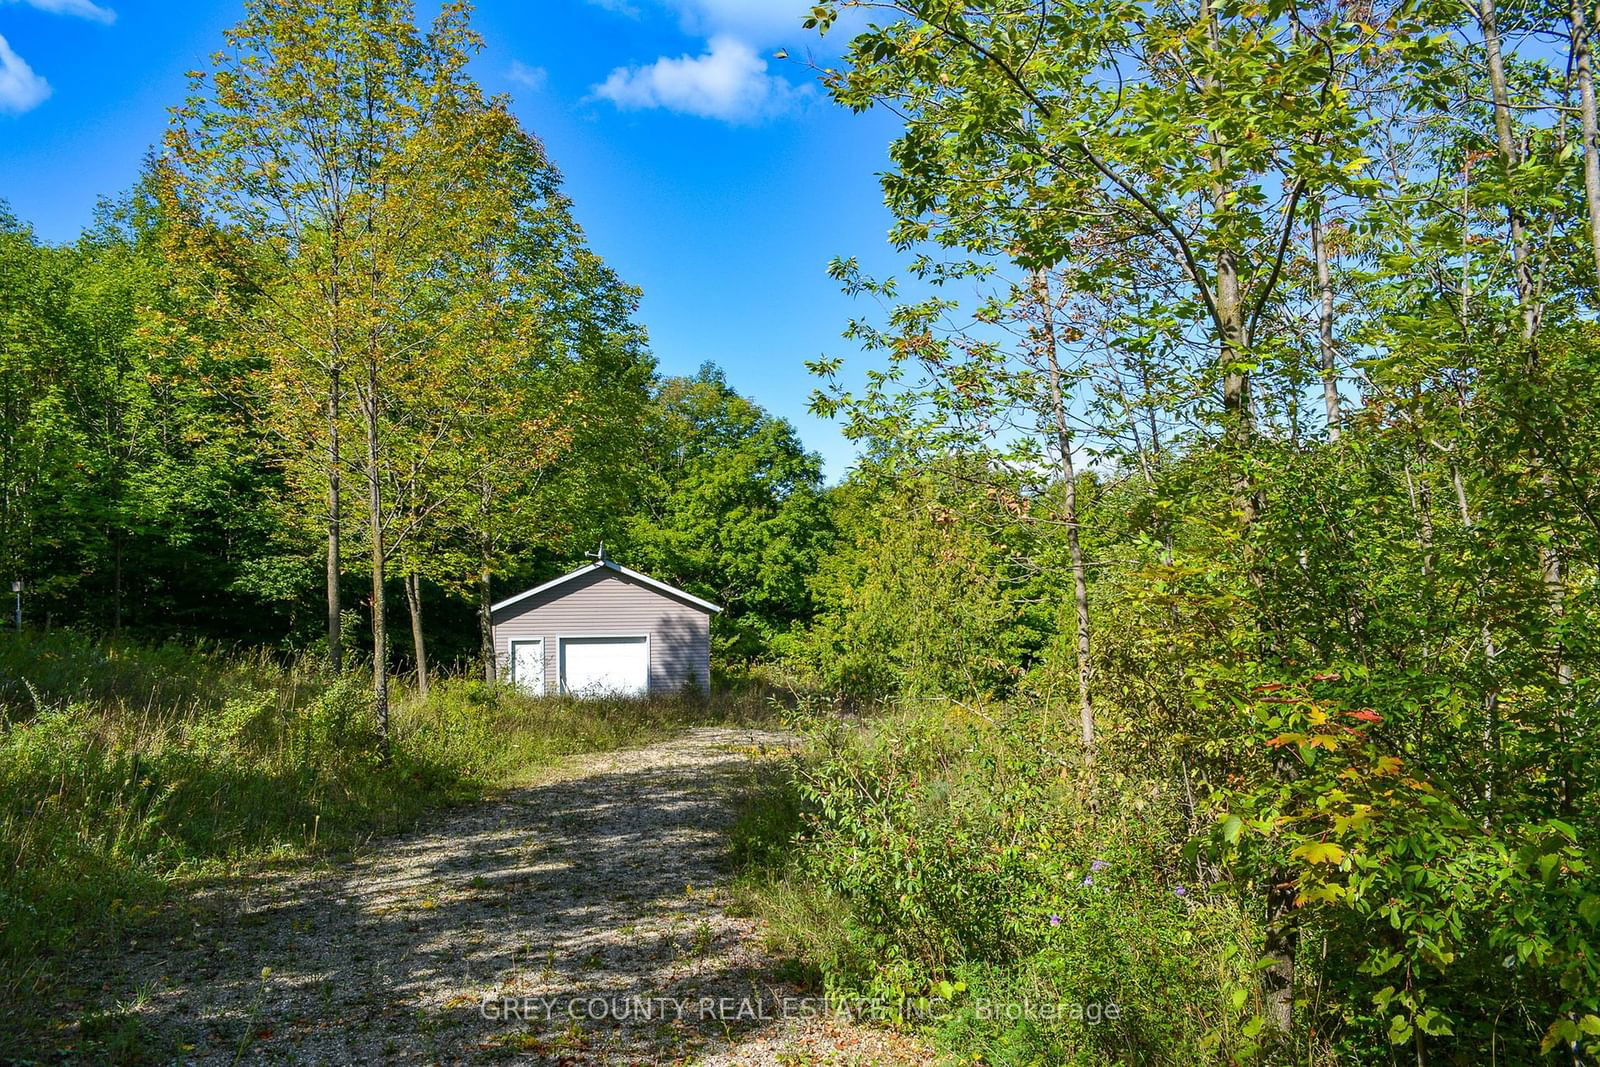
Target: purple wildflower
x: 1098, y: 865
x: 1055, y: 920
x: 1088, y: 879
x: 1179, y: 891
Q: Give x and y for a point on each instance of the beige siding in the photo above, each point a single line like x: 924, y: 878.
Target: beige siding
x: 605, y: 603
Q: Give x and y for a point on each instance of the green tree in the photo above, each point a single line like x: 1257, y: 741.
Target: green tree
x: 1341, y: 655
x: 366, y: 173
x: 731, y: 510
x: 913, y: 601
x: 135, y: 494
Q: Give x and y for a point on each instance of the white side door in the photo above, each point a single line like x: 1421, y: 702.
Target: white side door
x: 605, y: 666
x: 527, y: 666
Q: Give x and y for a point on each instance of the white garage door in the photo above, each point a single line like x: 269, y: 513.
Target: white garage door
x: 605, y: 666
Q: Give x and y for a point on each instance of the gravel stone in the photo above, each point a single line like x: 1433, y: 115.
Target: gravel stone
x: 590, y: 907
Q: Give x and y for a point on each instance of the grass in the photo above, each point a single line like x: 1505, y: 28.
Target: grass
x: 804, y: 926
x: 128, y: 772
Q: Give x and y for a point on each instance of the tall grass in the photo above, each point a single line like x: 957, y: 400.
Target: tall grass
x: 128, y: 771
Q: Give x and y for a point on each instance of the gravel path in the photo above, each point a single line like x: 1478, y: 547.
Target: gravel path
x: 580, y: 920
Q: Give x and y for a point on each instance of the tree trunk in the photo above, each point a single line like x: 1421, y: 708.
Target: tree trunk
x: 486, y: 543
x: 1508, y: 161
x: 1589, y: 126
x: 1330, y: 371
x: 1584, y: 62
x: 1550, y: 562
x: 335, y: 622
x: 1282, y: 939
x: 491, y: 673
x: 1069, y: 516
x: 380, y: 629
x: 413, y: 585
x: 1235, y: 382
x: 1466, y: 243
x: 1229, y: 301
x: 1237, y: 418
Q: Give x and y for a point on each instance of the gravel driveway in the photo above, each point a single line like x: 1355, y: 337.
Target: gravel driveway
x: 580, y: 920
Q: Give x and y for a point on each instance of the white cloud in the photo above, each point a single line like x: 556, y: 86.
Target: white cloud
x: 533, y: 78
x: 87, y: 9
x: 729, y: 82
x: 20, y: 88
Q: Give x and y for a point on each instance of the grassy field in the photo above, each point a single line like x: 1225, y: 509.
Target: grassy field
x: 128, y: 772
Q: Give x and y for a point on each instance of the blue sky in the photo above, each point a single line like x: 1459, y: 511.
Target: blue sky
x: 709, y: 173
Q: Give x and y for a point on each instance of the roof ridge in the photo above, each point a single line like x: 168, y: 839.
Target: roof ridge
x: 611, y: 565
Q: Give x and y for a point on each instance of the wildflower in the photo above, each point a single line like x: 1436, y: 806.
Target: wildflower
x: 1179, y: 891
x: 1098, y: 865
x: 1088, y: 879
x: 1055, y: 920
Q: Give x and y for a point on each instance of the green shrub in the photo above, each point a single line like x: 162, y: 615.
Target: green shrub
x: 942, y: 853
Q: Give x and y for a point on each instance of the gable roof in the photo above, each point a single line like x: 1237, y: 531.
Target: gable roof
x: 606, y: 564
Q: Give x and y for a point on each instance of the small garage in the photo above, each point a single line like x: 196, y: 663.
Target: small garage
x: 604, y: 630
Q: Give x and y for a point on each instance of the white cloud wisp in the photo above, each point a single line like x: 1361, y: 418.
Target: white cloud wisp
x: 84, y: 9
x: 535, y: 78
x: 20, y: 88
x: 729, y: 82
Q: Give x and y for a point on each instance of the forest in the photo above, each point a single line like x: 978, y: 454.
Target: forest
x: 1208, y: 625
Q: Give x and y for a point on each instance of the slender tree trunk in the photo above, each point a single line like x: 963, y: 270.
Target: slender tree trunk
x: 1232, y: 344
x: 1550, y: 562
x: 335, y: 621
x: 491, y: 669
x: 1330, y: 370
x: 1465, y: 293
x: 1282, y: 945
x: 1583, y: 60
x: 1235, y: 382
x: 1069, y: 480
x: 1282, y: 941
x: 491, y: 672
x: 1509, y: 158
x: 380, y: 629
x: 413, y: 585
x: 1589, y: 127
x: 1238, y: 419
x: 1491, y: 695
